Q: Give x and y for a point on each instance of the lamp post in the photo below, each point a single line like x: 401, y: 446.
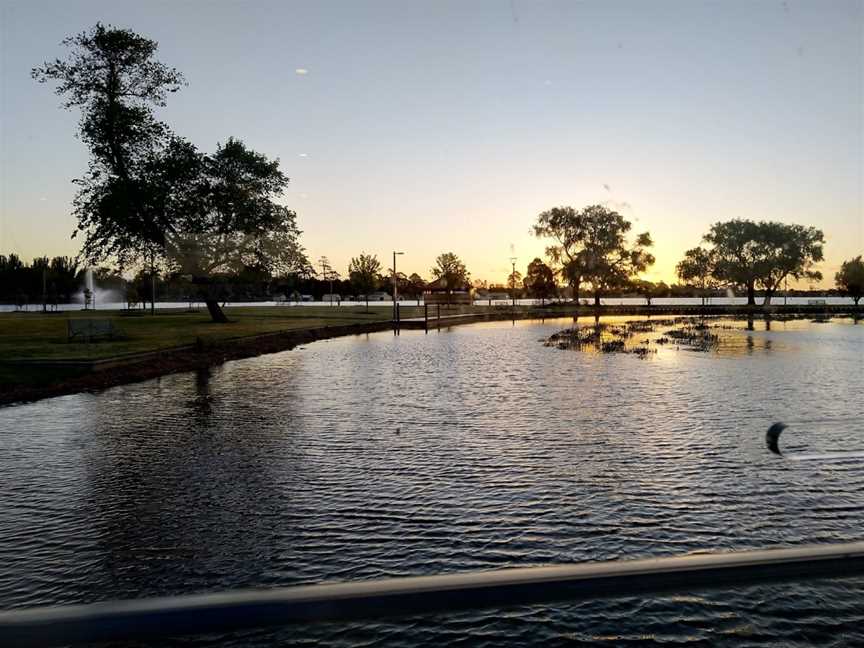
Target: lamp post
x: 395, y: 283
x: 513, y: 281
x: 326, y: 274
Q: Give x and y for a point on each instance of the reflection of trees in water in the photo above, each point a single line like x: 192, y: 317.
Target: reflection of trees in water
x: 189, y: 483
x: 201, y: 405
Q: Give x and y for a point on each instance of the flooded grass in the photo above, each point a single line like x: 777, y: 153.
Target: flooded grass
x: 644, y: 337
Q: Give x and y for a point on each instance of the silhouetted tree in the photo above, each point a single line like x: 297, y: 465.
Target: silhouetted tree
x: 736, y: 254
x: 697, y: 269
x: 540, y: 281
x: 568, y: 227
x: 451, y: 272
x: 150, y: 196
x: 112, y: 77
x: 850, y: 279
x: 238, y: 224
x: 592, y: 247
x: 787, y: 251
x: 514, y: 279
x: 764, y: 254
x: 364, y: 272
x: 650, y: 290
x: 416, y: 285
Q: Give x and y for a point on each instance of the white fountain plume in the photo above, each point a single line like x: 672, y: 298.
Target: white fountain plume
x: 98, y: 296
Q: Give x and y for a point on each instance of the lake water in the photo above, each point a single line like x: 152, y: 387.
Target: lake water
x: 287, y: 469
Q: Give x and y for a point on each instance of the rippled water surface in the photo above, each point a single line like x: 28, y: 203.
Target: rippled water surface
x: 289, y: 469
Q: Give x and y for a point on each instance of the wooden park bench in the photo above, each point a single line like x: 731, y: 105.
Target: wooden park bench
x: 87, y: 330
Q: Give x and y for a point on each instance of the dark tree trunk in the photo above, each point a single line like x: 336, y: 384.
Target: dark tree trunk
x: 597, y: 299
x: 207, y: 292
x: 751, y: 295
x: 215, y: 310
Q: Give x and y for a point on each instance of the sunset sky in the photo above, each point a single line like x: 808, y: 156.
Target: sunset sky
x: 448, y: 126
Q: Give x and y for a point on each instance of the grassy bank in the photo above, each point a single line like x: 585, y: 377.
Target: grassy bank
x: 37, y: 335
x: 29, y: 338
x: 37, y: 360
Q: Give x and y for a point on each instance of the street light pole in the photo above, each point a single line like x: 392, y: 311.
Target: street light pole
x: 326, y: 274
x: 513, y: 282
x: 395, y: 283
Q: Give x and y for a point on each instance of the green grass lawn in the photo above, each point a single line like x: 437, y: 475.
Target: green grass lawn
x: 41, y: 336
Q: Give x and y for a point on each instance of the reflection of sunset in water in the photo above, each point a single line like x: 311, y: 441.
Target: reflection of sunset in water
x: 721, y: 336
x: 287, y: 469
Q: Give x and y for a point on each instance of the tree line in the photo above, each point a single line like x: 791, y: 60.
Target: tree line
x: 151, y: 202
x: 591, y: 247
x: 54, y: 280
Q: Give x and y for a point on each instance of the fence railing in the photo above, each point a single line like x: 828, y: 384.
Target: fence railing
x: 229, y: 611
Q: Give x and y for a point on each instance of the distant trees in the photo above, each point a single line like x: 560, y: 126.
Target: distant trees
x: 591, y: 247
x: 764, y: 254
x: 650, y: 290
x: 514, y: 280
x: 450, y: 272
x: 850, y: 279
x: 364, y: 272
x: 697, y: 269
x: 416, y: 285
x: 150, y: 196
x: 20, y: 281
x: 540, y: 281
x: 329, y: 276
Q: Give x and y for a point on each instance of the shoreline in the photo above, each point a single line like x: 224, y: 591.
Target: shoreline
x: 131, y: 368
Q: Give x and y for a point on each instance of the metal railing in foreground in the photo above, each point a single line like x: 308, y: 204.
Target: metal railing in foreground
x: 223, y: 612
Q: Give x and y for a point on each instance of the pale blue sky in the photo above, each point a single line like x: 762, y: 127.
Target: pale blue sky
x: 438, y: 126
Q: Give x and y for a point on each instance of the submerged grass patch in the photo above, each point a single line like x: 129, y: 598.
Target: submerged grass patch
x: 643, y: 337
